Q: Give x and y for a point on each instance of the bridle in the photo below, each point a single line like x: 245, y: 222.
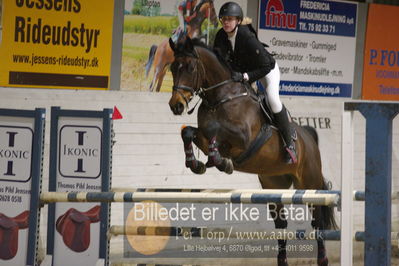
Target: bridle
x: 191, y: 90
x: 201, y: 92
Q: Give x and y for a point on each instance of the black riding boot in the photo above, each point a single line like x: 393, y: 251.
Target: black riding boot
x: 284, y: 126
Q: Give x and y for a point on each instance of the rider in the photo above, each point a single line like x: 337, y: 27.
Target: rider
x: 186, y: 12
x: 250, y: 61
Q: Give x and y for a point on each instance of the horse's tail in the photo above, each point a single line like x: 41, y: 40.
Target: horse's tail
x: 150, y: 59
x: 312, y: 131
x: 327, y: 212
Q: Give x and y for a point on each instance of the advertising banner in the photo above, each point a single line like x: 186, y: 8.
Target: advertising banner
x: 79, y: 163
x: 56, y: 44
x: 381, y: 54
x: 21, y: 150
x: 148, y: 25
x: 314, y: 43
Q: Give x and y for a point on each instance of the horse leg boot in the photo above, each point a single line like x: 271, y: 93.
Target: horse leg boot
x: 188, y: 134
x: 214, y: 157
x: 283, y: 125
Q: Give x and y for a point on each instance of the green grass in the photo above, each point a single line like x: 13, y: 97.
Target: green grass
x: 161, y: 25
x: 134, y: 52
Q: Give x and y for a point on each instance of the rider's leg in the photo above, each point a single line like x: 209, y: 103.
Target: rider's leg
x: 181, y: 27
x: 180, y: 12
x: 272, y: 88
x: 181, y: 18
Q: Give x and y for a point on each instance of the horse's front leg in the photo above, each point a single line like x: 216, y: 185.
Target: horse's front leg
x: 214, y: 156
x: 188, y: 134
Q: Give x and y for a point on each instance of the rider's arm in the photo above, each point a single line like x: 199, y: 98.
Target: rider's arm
x: 263, y: 61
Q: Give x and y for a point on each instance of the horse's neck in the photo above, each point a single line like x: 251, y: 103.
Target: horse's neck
x: 215, y: 72
x: 195, y: 26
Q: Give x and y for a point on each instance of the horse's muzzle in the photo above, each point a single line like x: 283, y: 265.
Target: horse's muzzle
x: 177, y: 108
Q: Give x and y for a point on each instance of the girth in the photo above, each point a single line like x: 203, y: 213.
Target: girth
x: 264, y: 135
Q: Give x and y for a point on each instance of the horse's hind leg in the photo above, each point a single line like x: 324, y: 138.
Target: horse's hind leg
x: 188, y: 134
x: 317, y: 224
x: 160, y: 79
x: 322, y: 216
x: 280, y: 221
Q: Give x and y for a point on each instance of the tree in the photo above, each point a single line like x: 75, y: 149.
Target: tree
x: 142, y: 7
x: 137, y: 7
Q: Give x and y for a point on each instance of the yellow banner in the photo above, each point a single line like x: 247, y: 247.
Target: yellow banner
x: 56, y: 43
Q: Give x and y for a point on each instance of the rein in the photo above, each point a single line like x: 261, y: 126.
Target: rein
x: 202, y: 91
x: 214, y: 106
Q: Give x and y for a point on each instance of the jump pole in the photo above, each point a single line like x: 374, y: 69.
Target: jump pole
x: 191, y: 197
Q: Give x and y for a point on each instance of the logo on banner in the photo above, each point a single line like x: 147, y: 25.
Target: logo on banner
x: 80, y: 151
x: 15, y: 153
x: 277, y: 18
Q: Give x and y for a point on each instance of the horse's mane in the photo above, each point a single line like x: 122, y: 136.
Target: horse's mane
x: 198, y: 43
x: 222, y: 60
x: 216, y: 52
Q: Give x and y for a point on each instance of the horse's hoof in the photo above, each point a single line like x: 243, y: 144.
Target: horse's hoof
x: 226, y: 166
x: 322, y: 261
x: 229, y: 167
x: 200, y: 169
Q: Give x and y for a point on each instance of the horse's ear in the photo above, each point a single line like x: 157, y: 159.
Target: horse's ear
x: 172, y: 45
x: 188, y: 45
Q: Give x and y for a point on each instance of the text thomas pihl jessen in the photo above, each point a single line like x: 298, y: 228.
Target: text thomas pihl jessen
x: 38, y: 32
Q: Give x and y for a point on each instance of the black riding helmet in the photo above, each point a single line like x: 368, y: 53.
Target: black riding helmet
x: 231, y: 9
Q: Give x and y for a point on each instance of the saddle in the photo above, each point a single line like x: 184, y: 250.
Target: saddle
x: 265, y: 107
x: 9, y: 228
x: 74, y: 227
x: 269, y: 115
x: 266, y: 130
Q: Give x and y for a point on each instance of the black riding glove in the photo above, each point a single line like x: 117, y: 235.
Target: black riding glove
x: 237, y: 76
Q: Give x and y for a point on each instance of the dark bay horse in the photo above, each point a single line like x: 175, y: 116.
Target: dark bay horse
x: 161, y: 56
x: 229, y: 120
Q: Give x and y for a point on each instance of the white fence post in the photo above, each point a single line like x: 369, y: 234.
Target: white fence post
x: 347, y: 189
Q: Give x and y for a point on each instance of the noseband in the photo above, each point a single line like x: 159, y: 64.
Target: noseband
x: 180, y: 88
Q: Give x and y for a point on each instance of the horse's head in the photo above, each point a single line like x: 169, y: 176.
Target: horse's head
x: 208, y: 9
x: 185, y: 72
x: 195, y: 70
x: 204, y: 10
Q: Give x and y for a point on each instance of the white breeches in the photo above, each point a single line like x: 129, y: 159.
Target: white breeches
x: 271, y: 83
x: 181, y: 19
